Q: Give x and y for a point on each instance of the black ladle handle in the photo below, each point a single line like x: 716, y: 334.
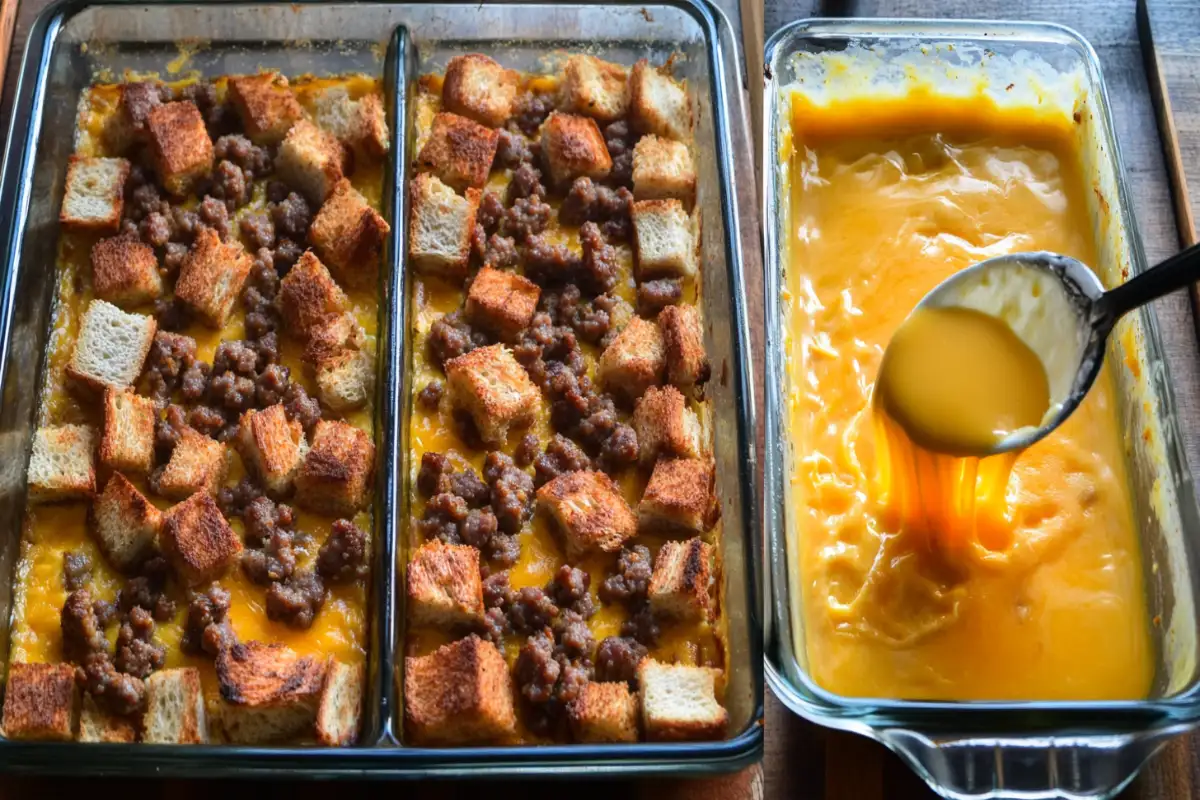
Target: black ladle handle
x: 1177, y: 272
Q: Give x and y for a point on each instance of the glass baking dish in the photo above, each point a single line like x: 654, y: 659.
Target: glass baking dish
x: 74, y: 40
x: 993, y: 749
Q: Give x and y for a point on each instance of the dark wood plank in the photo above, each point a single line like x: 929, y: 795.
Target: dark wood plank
x: 1111, y: 27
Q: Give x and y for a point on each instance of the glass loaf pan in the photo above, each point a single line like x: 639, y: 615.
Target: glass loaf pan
x: 73, y: 41
x: 993, y: 749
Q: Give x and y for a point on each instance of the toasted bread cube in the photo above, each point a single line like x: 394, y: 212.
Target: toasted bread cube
x: 665, y: 425
x: 666, y: 239
x: 111, y: 347
x: 460, y: 693
x: 604, y: 712
x: 175, y: 710
x: 590, y: 512
x: 340, y: 709
x: 41, y: 701
x: 266, y: 105
x: 635, y: 360
x: 335, y: 478
x: 308, y: 296
x: 679, y: 587
x: 441, y: 223
x: 125, y: 272
x: 444, y: 587
x: 270, y: 692
x: 683, y: 339
x: 94, y: 196
x: 61, y: 466
x: 346, y: 381
x: 212, y: 276
x: 459, y: 151
x: 331, y: 339
x: 658, y: 103
x: 183, y: 153
x: 97, y: 725
x: 478, y: 88
x: 663, y: 170
x: 594, y: 87
x: 679, y: 497
x: 349, y: 235
x: 127, y: 438
x: 272, y: 447
x: 128, y: 126
x: 494, y: 389
x: 197, y: 464
x: 679, y: 703
x: 572, y: 146
x: 360, y: 124
x: 312, y: 160
x: 197, y: 541
x: 502, y: 302
x: 125, y: 523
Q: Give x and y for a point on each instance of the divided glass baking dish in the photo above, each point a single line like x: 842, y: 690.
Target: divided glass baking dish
x: 991, y: 749
x: 73, y: 43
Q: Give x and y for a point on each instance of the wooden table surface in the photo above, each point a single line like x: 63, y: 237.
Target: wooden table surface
x: 804, y: 761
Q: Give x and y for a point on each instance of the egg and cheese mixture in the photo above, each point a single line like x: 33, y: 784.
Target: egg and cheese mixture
x: 434, y: 429
x: 55, y: 531
x: 1013, y: 577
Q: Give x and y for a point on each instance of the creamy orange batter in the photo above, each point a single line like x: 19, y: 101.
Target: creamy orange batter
x: 1045, y: 600
x: 52, y: 531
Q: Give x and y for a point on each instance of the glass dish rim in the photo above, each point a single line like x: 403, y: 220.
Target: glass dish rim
x: 803, y: 695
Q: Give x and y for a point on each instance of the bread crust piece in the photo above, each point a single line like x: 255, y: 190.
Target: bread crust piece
x: 441, y: 223
x: 679, y: 497
x: 679, y: 702
x: 311, y: 159
x: 349, y: 234
x: 635, y: 360
x: 604, y: 712
x: 266, y: 106
x: 125, y: 523
x: 658, y: 104
x: 573, y: 146
x: 179, y: 142
x: 590, y: 512
x: 270, y: 691
x: 478, y: 88
x: 110, y: 349
x: 502, y: 302
x: 308, y: 297
x: 97, y: 725
x: 340, y: 708
x: 175, y: 708
x: 125, y: 272
x: 679, y: 587
x: 61, y: 466
x: 212, y: 276
x: 663, y: 170
x: 459, y: 151
x: 666, y: 239
x: 94, y: 194
x: 460, y: 693
x: 444, y: 587
x: 665, y: 425
x: 197, y: 540
x: 197, y: 464
x: 491, y: 385
x: 272, y: 446
x: 683, y: 342
x: 595, y: 87
x: 335, y: 477
x: 127, y: 437
x: 41, y: 702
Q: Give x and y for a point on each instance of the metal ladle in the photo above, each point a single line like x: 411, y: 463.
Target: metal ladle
x: 1017, y: 286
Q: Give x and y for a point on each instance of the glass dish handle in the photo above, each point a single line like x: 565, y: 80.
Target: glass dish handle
x: 970, y: 767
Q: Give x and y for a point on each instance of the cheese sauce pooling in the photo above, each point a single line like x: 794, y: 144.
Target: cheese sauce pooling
x: 1040, y: 596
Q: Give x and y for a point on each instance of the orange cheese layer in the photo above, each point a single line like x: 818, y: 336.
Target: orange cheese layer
x: 340, y: 629
x: 887, y: 200
x: 698, y: 643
